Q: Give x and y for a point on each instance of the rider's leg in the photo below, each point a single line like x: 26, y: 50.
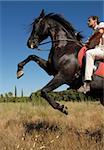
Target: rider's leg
x: 90, y: 57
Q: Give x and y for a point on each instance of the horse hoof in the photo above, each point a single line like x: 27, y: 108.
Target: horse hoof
x: 20, y: 74
x: 63, y: 109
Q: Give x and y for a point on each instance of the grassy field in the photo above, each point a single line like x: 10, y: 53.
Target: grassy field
x: 27, y: 126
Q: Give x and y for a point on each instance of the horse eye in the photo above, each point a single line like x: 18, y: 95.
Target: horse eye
x: 36, y: 20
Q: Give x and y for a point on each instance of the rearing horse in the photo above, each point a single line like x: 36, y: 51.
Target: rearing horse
x: 62, y: 62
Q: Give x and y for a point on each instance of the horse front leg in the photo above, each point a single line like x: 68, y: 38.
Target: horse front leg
x: 53, y: 84
x: 41, y: 62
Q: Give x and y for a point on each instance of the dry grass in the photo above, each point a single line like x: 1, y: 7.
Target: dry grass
x: 24, y: 126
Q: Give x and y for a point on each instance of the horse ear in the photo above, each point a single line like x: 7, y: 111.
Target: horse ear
x: 42, y: 14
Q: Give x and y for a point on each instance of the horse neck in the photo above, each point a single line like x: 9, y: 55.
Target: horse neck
x: 59, y: 36
x: 63, y: 40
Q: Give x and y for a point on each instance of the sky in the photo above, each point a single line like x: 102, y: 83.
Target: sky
x: 15, y: 18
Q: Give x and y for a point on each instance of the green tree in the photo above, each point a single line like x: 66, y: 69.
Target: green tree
x: 1, y: 96
x: 10, y: 94
x: 6, y: 97
x: 22, y: 93
x: 15, y: 92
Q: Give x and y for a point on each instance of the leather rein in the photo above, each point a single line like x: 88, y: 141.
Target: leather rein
x: 69, y: 40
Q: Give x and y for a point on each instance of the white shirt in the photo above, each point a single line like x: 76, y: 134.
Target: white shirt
x: 99, y: 26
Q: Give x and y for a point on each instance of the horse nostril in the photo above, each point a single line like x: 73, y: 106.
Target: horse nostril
x: 32, y: 43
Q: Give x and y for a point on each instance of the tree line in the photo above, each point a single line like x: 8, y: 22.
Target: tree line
x: 13, y: 97
x: 67, y: 95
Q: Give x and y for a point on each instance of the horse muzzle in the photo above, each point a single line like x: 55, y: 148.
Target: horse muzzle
x: 33, y: 44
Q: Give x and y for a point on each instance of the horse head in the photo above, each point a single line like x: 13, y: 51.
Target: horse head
x: 50, y: 25
x: 39, y: 31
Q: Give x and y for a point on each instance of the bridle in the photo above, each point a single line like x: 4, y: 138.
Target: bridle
x: 69, y: 40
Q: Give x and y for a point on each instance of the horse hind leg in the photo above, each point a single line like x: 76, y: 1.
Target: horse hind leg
x: 53, y: 84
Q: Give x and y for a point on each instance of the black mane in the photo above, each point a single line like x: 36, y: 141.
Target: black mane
x: 67, y: 25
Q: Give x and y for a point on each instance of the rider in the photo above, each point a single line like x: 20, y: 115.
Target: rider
x: 92, y: 53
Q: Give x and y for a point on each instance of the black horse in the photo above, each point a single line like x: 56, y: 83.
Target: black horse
x: 62, y: 62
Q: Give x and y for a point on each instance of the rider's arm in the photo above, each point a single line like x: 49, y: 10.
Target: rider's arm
x: 94, y: 39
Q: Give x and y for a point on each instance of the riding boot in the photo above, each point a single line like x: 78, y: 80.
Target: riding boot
x: 85, y: 88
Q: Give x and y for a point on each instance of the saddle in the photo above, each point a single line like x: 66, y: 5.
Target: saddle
x: 98, y: 65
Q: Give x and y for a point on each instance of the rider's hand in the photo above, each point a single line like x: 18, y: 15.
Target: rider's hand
x: 101, y: 30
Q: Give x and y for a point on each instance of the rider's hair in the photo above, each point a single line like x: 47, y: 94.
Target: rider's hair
x: 95, y: 18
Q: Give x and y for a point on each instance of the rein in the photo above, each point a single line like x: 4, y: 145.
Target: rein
x: 70, y: 40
